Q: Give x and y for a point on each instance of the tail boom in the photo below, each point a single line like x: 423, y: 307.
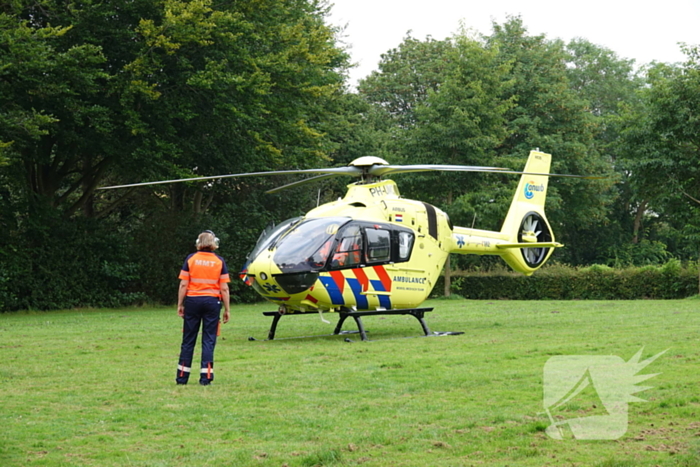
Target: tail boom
x: 526, y: 240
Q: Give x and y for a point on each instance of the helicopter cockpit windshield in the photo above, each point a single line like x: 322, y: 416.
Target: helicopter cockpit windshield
x: 270, y: 235
x: 307, y: 245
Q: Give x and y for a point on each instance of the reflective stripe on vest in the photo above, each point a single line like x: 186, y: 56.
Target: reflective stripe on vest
x: 205, y: 275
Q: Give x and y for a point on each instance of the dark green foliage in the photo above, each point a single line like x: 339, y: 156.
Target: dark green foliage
x: 59, y: 263
x: 552, y: 114
x: 670, y: 281
x: 446, y: 100
x: 98, y: 93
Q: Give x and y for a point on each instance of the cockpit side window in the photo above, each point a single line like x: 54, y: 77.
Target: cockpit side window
x: 348, y: 253
x: 378, y: 245
x: 405, y: 240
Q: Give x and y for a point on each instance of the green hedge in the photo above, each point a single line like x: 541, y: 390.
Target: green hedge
x: 558, y: 282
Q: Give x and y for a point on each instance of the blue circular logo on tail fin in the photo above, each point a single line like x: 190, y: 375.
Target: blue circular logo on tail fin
x: 531, y: 188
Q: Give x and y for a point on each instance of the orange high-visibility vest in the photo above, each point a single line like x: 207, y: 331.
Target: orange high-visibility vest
x: 205, y: 271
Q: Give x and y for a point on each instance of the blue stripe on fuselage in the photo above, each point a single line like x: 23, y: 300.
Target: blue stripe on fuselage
x: 333, y: 290
x: 384, y: 300
x: 356, y: 288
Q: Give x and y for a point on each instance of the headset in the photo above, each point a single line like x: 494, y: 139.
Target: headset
x: 216, y: 239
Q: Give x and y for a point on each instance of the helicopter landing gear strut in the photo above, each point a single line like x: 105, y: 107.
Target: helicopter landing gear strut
x: 417, y: 313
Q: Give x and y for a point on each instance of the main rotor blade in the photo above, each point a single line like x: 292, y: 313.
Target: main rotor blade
x: 303, y: 182
x: 380, y: 170
x: 587, y: 177
x: 334, y: 171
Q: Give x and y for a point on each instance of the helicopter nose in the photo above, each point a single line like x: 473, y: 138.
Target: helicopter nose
x: 295, y: 283
x: 259, y: 270
x: 266, y: 285
x: 271, y: 281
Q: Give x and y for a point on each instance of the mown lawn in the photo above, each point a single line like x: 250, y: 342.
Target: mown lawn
x: 96, y: 388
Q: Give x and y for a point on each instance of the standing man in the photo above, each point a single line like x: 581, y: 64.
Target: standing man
x: 203, y: 286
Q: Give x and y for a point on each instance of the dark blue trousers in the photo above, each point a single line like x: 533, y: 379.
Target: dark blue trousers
x: 202, y: 311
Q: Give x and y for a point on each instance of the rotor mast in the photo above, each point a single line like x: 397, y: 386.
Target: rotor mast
x: 365, y: 164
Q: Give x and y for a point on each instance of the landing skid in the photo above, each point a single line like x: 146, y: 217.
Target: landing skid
x: 418, y: 313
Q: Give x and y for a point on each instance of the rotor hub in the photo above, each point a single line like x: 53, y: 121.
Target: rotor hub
x: 367, y: 161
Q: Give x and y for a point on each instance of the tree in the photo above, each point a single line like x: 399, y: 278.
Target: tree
x: 613, y: 91
x: 461, y: 122
x: 444, y: 99
x: 97, y: 93
x: 143, y: 90
x: 406, y: 75
x: 674, y: 119
x: 550, y: 115
x: 600, y: 77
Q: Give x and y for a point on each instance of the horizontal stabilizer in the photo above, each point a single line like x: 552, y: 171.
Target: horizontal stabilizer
x: 530, y: 245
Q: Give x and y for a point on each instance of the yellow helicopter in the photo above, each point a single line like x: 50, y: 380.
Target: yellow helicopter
x: 374, y: 252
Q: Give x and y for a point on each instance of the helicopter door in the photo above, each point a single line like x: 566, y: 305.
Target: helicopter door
x: 348, y: 253
x: 361, y: 244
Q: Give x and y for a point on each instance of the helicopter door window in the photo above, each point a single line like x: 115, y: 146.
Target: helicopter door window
x: 349, y: 250
x: 378, y: 245
x: 405, y: 245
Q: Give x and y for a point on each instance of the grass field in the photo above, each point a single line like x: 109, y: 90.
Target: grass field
x: 96, y: 388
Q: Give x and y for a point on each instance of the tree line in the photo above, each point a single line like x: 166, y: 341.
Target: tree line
x: 104, y: 93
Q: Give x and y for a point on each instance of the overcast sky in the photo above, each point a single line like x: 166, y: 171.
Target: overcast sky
x: 642, y: 30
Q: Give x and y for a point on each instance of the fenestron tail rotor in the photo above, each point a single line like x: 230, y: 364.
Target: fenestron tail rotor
x: 534, y: 229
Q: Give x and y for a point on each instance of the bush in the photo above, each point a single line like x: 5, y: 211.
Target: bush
x: 66, y: 264
x: 598, y: 282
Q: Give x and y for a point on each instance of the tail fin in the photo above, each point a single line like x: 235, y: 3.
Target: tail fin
x: 531, y: 193
x: 531, y: 240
